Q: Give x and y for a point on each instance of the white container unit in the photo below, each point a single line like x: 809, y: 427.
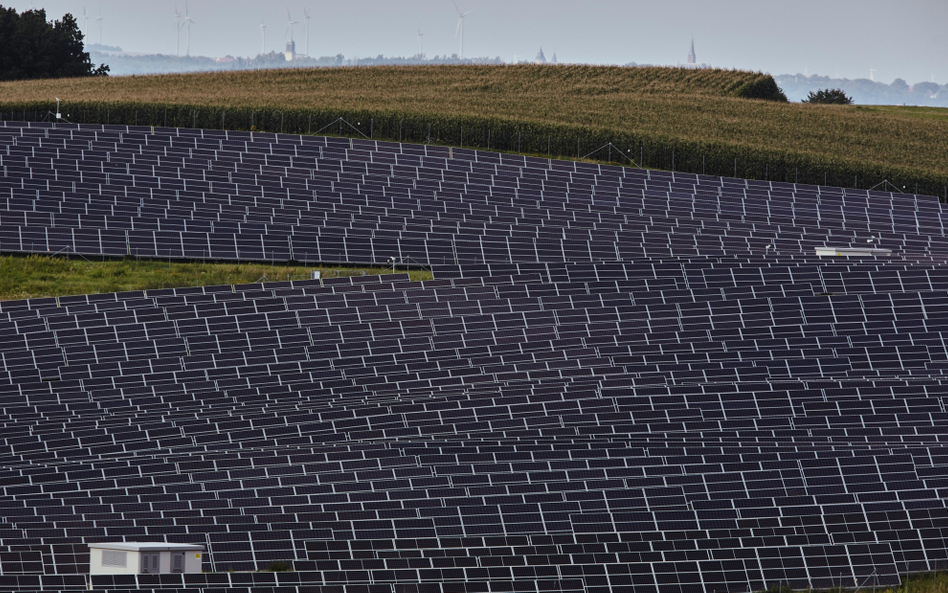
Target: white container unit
x: 144, y: 558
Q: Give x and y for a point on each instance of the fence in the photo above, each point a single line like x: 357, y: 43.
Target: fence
x: 554, y: 141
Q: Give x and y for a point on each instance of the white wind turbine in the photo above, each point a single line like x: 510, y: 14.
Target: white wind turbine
x: 291, y: 24
x: 99, y: 21
x: 306, y: 16
x: 263, y: 34
x: 460, y: 28
x: 187, y: 23
x: 421, y: 46
x: 177, y: 28
x: 85, y: 21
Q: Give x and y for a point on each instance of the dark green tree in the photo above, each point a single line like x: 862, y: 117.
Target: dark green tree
x: 32, y: 47
x: 829, y: 96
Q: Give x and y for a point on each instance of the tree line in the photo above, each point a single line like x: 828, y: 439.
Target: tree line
x: 32, y: 47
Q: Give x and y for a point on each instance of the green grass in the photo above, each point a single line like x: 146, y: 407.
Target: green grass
x: 36, y: 276
x: 927, y: 113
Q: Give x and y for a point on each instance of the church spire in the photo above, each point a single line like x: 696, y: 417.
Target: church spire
x: 692, y: 58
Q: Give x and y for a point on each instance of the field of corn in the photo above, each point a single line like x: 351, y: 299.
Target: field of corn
x: 699, y: 121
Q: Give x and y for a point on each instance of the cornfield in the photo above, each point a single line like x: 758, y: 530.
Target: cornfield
x: 665, y: 118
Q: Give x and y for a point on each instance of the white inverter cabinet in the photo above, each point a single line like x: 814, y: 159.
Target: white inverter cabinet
x: 144, y: 558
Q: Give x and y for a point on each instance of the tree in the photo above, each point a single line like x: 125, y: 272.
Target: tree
x: 762, y: 87
x: 31, y: 47
x: 829, y: 96
x: 927, y: 89
x: 899, y: 85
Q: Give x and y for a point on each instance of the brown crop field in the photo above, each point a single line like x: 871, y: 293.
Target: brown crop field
x: 669, y: 118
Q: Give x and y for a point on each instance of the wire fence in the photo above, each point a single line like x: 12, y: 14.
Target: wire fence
x: 551, y: 141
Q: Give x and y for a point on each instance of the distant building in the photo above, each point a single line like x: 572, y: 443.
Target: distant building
x: 290, y: 50
x: 692, y: 62
x: 553, y: 60
x: 541, y: 58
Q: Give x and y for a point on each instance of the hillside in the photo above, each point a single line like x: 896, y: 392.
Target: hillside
x: 610, y: 380
x: 661, y: 117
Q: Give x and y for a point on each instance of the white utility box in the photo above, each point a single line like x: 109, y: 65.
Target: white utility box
x: 144, y: 558
x: 850, y: 251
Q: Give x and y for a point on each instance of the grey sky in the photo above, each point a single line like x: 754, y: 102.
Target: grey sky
x: 900, y: 39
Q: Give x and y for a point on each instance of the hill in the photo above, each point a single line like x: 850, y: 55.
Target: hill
x: 613, y: 379
x: 666, y: 118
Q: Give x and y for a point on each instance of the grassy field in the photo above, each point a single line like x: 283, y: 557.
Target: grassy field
x: 35, y: 276
x: 931, y: 582
x: 666, y: 117
x: 925, y: 113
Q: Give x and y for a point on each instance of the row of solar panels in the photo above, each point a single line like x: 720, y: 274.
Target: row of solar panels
x: 351, y: 151
x: 222, y: 172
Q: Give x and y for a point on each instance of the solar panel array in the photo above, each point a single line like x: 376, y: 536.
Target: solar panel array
x: 712, y: 415
x: 183, y: 193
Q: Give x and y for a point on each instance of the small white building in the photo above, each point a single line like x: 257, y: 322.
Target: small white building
x: 144, y: 558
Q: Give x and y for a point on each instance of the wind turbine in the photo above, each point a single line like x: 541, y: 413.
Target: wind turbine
x: 187, y: 22
x: 85, y: 21
x: 872, y: 73
x: 99, y: 20
x: 177, y: 28
x: 263, y: 33
x: 460, y: 28
x: 291, y: 23
x: 307, y: 16
x: 421, y: 47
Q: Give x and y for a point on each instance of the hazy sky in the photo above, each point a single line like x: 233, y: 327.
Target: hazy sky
x: 899, y: 38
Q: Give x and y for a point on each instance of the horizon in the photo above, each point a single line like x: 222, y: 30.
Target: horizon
x: 104, y: 49
x: 844, y: 40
